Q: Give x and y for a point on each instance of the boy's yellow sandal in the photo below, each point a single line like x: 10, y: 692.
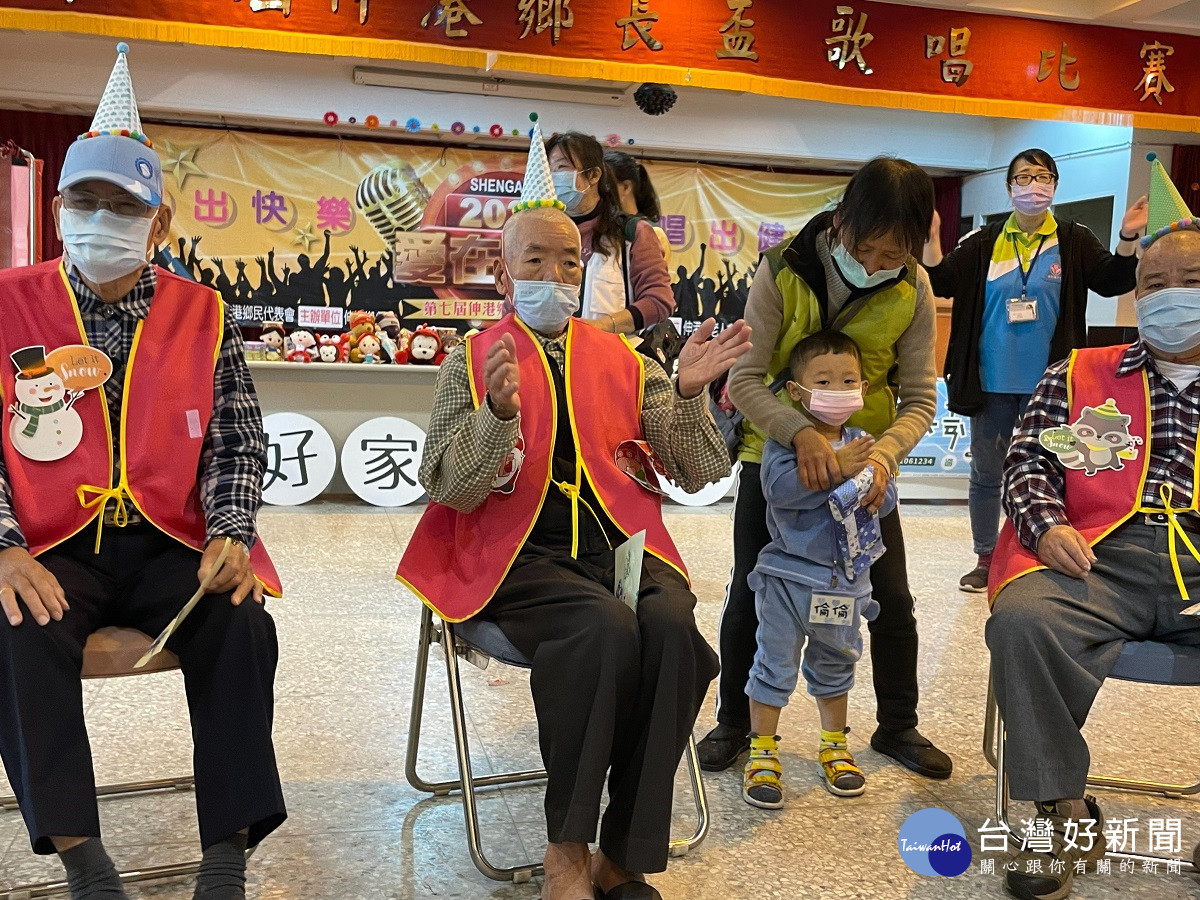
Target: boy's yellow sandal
x: 761, y: 784
x: 842, y: 777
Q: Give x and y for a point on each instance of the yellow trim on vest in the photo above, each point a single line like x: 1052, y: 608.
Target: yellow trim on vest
x: 220, y: 330
x: 99, y: 514
x: 471, y: 375
x: 549, y: 476
x: 581, y: 466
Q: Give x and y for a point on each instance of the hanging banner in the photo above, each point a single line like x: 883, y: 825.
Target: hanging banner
x: 299, y: 230
x: 853, y: 51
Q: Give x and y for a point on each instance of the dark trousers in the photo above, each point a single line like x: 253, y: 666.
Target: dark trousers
x: 893, y: 632
x: 140, y: 579
x: 616, y: 694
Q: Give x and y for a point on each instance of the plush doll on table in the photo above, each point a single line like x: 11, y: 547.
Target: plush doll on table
x: 275, y: 339
x: 366, y: 348
x: 424, y: 348
x: 332, y: 348
x: 302, y: 341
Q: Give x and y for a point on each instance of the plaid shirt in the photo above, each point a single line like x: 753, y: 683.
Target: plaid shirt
x: 1034, y: 478
x: 466, y: 446
x: 234, y: 455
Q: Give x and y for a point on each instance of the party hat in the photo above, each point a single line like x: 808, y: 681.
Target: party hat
x: 114, y: 149
x: 118, y: 111
x: 1168, y: 211
x: 537, y: 191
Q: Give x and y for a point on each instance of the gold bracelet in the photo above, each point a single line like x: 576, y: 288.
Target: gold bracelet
x: 612, y: 319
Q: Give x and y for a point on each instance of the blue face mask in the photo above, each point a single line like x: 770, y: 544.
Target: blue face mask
x: 856, y: 276
x: 564, y: 187
x: 1169, y: 319
x: 545, y: 306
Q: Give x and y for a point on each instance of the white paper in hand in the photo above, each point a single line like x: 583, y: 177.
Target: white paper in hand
x: 161, y: 641
x: 627, y: 577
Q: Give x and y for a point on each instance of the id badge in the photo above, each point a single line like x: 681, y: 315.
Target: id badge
x: 831, y: 609
x: 1022, y: 309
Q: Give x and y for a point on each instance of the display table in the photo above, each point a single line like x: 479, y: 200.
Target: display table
x: 341, y: 396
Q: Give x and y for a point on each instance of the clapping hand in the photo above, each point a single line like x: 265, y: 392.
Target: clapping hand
x: 704, y: 357
x: 503, y: 378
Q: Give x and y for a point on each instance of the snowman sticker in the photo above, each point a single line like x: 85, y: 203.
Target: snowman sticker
x: 45, y: 426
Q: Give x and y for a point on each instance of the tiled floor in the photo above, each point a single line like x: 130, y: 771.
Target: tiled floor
x: 357, y: 830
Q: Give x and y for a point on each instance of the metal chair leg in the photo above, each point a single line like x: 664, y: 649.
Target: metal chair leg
x: 517, y: 874
x: 430, y: 634
x: 994, y: 718
x: 681, y: 847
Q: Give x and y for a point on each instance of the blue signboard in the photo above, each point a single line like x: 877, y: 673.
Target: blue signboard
x: 946, y: 447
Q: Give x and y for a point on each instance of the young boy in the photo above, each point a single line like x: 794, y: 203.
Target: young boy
x: 800, y: 578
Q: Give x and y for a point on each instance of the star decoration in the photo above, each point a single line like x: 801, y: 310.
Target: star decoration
x: 304, y: 237
x: 179, y: 161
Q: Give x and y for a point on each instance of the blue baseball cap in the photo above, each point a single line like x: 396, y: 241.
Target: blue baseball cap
x: 119, y: 160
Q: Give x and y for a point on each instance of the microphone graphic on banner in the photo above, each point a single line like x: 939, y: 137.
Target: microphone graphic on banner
x: 393, y: 198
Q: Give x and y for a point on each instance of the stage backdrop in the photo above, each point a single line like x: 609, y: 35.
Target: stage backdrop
x: 303, y: 229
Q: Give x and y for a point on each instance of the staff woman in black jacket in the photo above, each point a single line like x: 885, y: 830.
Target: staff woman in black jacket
x: 1020, y: 291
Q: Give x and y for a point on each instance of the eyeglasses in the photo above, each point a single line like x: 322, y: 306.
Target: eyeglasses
x: 126, y: 205
x: 1040, y: 178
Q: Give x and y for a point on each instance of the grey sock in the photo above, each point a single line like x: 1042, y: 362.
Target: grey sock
x: 223, y: 870
x: 91, y: 874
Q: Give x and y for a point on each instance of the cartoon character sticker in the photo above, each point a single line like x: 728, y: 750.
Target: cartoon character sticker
x: 639, y: 461
x: 1097, y: 441
x: 506, y: 477
x: 45, y: 426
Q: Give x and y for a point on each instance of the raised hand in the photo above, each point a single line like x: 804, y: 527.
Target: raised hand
x: 1136, y: 217
x: 503, y: 378
x: 853, y: 457
x: 705, y: 358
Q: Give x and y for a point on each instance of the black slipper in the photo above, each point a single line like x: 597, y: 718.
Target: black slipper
x: 632, y: 890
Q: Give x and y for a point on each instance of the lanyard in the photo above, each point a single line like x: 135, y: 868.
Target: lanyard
x: 1025, y: 272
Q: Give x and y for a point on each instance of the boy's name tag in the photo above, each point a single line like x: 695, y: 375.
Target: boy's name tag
x: 627, y: 574
x: 831, y: 609
x: 1022, y: 309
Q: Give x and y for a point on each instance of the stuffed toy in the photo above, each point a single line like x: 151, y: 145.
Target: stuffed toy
x: 275, y: 338
x: 332, y: 348
x: 366, y: 348
x: 424, y: 348
x: 302, y: 339
x: 388, y: 323
x: 300, y: 355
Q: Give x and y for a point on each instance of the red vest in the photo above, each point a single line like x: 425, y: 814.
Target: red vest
x: 455, y: 561
x: 1098, y: 503
x: 168, y: 402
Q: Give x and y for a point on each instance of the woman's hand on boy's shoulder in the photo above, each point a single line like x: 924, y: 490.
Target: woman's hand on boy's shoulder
x: 816, y: 462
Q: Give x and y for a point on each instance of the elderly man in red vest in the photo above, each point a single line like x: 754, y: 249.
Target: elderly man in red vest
x: 132, y: 461
x: 1101, y: 496
x: 528, y: 503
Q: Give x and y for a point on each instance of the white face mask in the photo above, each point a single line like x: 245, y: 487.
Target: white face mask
x: 856, y: 274
x: 102, y: 245
x: 545, y: 306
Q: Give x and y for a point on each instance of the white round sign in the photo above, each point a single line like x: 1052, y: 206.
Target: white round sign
x: 707, y: 495
x: 380, y: 460
x: 301, y: 459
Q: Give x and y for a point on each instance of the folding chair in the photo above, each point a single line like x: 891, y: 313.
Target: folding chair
x: 111, y: 653
x: 479, y: 642
x: 1146, y: 662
